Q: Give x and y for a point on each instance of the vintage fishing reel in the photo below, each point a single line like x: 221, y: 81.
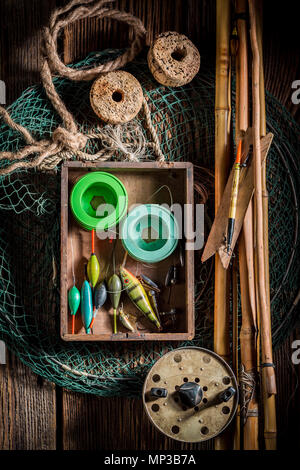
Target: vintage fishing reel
x: 190, y: 394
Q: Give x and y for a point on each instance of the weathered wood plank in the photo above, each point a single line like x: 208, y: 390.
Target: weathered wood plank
x: 27, y: 409
x: 93, y: 34
x: 92, y: 423
x: 21, y: 22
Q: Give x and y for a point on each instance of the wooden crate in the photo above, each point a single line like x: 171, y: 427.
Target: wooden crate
x: 141, y: 181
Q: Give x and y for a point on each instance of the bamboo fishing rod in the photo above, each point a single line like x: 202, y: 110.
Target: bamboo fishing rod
x: 222, y: 161
x: 222, y: 154
x: 265, y: 327
x: 234, y: 280
x: 269, y: 405
x: 242, y: 124
x: 249, y: 405
x: 235, y: 351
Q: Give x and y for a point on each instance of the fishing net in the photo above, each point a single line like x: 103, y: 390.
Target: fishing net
x: 30, y: 224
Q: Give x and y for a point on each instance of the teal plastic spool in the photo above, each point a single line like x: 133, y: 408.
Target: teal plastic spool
x: 149, y: 233
x: 95, y: 189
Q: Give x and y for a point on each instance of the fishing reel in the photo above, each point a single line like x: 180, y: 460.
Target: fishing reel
x: 190, y: 394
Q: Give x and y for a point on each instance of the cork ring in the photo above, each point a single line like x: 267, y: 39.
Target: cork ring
x: 173, y: 59
x: 116, y: 97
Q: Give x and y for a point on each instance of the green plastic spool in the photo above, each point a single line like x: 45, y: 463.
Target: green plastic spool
x: 101, y: 190
x: 149, y: 233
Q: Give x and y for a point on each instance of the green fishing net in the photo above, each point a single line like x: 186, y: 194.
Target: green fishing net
x: 30, y: 230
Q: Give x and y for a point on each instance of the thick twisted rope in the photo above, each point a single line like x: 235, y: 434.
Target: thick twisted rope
x: 67, y: 141
x: 58, y: 21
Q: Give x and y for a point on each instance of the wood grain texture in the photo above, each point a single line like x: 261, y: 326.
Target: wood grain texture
x: 113, y: 423
x: 27, y: 409
x: 93, y: 34
x: 20, y: 39
x: 29, y: 406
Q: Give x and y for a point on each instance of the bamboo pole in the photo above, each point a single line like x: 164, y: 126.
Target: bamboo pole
x: 249, y: 414
x: 235, y: 351
x: 222, y: 148
x: 222, y: 160
x: 269, y: 404
x: 234, y: 281
x: 246, y: 257
x: 242, y: 112
x: 266, y: 343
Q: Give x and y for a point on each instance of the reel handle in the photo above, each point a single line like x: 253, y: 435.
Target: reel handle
x: 227, y: 394
x: 158, y: 392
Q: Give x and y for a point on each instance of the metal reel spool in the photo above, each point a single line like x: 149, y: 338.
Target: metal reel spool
x: 190, y: 394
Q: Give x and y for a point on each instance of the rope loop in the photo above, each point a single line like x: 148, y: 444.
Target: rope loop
x: 50, y: 35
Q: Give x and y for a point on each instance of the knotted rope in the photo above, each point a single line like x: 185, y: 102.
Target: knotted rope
x: 67, y: 141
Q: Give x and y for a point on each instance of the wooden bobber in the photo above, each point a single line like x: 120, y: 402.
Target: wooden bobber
x: 86, y: 306
x: 173, y: 59
x: 93, y: 270
x: 115, y: 289
x: 116, y: 97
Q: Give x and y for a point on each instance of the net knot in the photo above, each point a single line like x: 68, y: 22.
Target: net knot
x: 72, y: 141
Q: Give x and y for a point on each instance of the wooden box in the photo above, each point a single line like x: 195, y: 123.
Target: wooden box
x: 141, y: 180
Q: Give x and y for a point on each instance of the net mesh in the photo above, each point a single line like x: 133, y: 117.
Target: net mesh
x: 30, y: 239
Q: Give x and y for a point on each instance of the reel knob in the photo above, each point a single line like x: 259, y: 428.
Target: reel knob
x: 190, y: 394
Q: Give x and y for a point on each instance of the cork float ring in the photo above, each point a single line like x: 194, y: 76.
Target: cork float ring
x: 116, y: 97
x: 173, y: 59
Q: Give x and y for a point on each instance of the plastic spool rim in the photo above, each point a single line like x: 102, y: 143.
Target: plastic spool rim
x: 113, y: 189
x: 131, y: 232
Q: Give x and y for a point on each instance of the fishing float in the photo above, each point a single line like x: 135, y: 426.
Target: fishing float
x: 114, y: 289
x: 234, y: 196
x: 73, y: 294
x: 74, y: 302
x: 93, y: 272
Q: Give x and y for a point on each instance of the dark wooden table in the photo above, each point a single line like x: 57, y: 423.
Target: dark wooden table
x: 35, y: 414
